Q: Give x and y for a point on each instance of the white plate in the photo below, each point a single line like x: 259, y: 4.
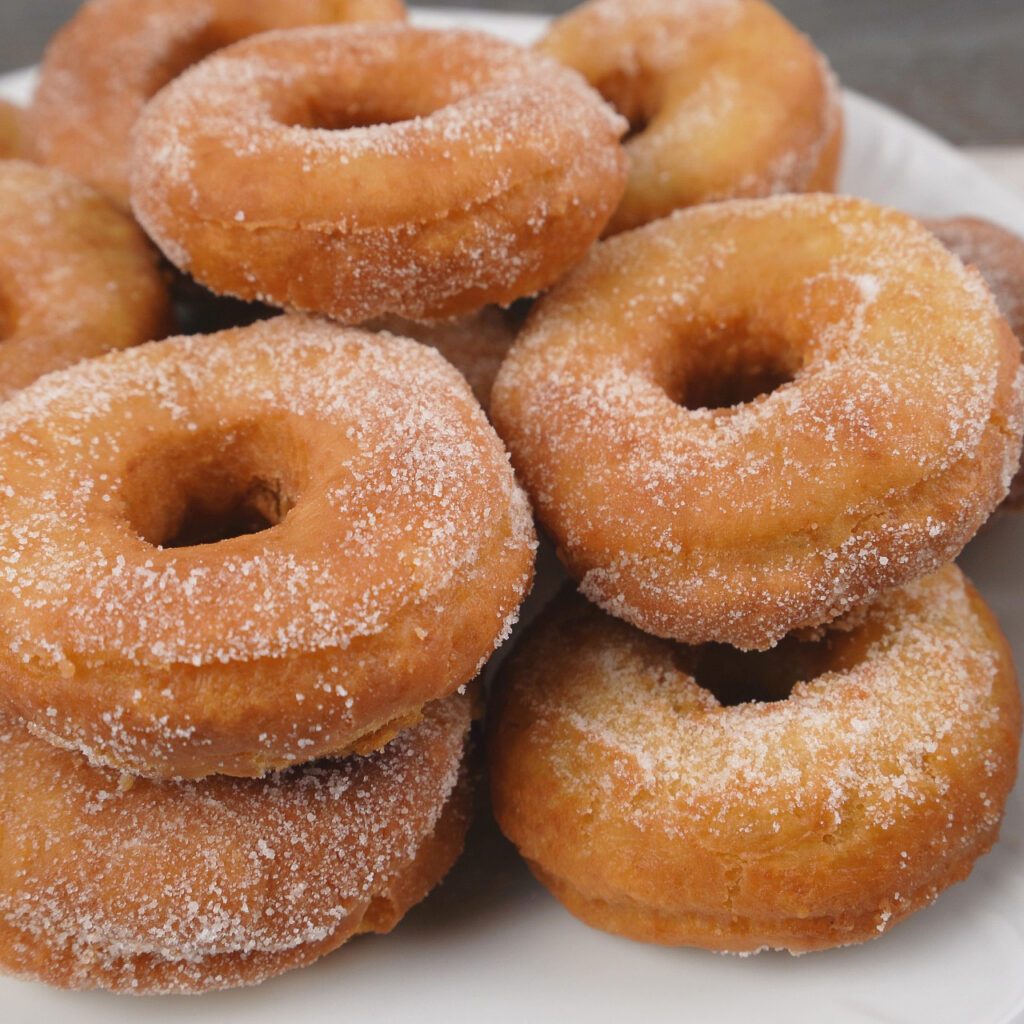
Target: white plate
x: 492, y: 945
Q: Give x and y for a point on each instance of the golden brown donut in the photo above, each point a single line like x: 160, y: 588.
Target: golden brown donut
x: 77, y: 277
x: 476, y: 345
x: 142, y: 887
x: 363, y: 170
x: 999, y: 255
x: 145, y: 622
x: 726, y: 98
x: 114, y: 55
x: 654, y: 809
x: 735, y: 425
x: 12, y: 143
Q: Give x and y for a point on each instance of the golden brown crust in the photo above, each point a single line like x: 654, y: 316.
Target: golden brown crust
x: 702, y: 520
x: 727, y: 99
x: 77, y: 277
x: 12, y: 142
x: 476, y: 345
x: 142, y: 887
x: 397, y: 550
x: 299, y: 160
x: 812, y: 821
x: 114, y: 55
x: 999, y: 255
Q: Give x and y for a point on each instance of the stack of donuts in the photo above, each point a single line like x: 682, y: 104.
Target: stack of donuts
x: 250, y: 579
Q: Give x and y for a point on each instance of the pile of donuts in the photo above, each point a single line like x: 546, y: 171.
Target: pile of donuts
x: 250, y: 577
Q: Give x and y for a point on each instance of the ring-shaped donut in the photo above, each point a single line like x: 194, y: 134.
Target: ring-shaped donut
x: 696, y: 502
x: 77, y: 276
x: 145, y: 623
x: 290, y: 168
x: 113, y: 56
x: 652, y: 810
x: 140, y: 886
x: 727, y: 99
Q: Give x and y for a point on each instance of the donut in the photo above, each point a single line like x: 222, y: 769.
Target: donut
x: 808, y: 797
x: 290, y: 168
x: 475, y: 345
x: 105, y: 64
x: 77, y: 277
x: 726, y: 99
x: 142, y: 886
x: 734, y: 424
x: 11, y: 140
x: 999, y: 256
x: 147, y: 624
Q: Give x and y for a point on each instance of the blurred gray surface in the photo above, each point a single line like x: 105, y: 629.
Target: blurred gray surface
x: 955, y: 65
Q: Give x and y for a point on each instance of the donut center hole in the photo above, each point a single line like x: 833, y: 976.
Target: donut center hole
x: 321, y: 114
x: 209, y: 489
x: 734, y: 368
x: 327, y: 104
x: 763, y: 677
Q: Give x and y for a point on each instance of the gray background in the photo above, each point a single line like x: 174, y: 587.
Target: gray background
x: 956, y: 65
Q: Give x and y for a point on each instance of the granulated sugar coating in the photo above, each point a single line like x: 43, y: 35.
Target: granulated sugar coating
x: 395, y: 550
x: 365, y: 170
x: 812, y: 821
x: 698, y: 503
x: 712, y: 118
x: 999, y: 255
x: 141, y: 886
x: 109, y: 60
x: 78, y: 277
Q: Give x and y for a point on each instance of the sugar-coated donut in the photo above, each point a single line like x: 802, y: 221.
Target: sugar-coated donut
x: 476, y: 345
x: 292, y: 167
x: 142, y: 886
x: 698, y: 511
x: 77, y: 277
x: 12, y: 142
x: 114, y: 55
x: 999, y: 255
x: 727, y: 99
x: 145, y: 623
x: 802, y: 822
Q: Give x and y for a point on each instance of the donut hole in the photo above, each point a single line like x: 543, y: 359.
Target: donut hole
x: 211, y: 487
x: 763, y: 677
x: 635, y: 95
x: 325, y: 106
x: 320, y: 113
x: 331, y: 103
x: 735, y: 368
